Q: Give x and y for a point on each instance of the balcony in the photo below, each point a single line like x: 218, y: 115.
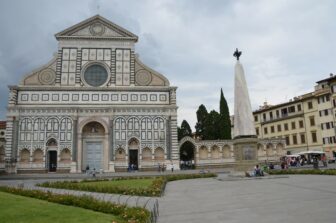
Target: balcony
x: 282, y: 117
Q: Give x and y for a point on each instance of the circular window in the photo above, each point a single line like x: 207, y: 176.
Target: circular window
x: 95, y: 75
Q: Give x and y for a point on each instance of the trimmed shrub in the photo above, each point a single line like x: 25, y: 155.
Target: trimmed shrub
x: 310, y: 171
x: 155, y: 190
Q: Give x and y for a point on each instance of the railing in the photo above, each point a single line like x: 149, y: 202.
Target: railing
x: 282, y: 116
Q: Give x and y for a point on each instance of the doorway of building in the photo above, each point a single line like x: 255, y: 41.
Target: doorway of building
x: 52, y: 155
x: 94, y: 155
x: 133, y: 148
x: 52, y: 161
x: 93, y: 143
x: 133, y: 159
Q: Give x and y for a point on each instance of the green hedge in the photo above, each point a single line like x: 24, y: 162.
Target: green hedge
x: 310, y: 171
x: 189, y: 176
x: 129, y: 214
x: 155, y: 190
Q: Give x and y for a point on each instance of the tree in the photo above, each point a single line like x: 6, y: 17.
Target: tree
x: 225, y: 121
x: 185, y: 130
x: 179, y: 133
x: 212, y: 126
x: 201, y: 114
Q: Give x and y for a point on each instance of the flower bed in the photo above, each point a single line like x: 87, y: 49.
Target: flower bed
x: 129, y: 214
x: 154, y: 190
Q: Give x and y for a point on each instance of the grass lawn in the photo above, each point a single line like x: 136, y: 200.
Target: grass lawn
x: 131, y: 183
x: 15, y: 208
x: 142, y: 186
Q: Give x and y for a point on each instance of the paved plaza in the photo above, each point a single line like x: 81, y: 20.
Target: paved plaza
x: 294, y: 198
x: 299, y: 199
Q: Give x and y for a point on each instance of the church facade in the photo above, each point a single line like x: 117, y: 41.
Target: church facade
x: 94, y: 105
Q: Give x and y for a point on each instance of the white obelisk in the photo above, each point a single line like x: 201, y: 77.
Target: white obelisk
x: 245, y: 139
x: 243, y: 118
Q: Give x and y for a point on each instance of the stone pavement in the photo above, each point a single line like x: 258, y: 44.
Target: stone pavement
x: 294, y: 198
x: 298, y: 198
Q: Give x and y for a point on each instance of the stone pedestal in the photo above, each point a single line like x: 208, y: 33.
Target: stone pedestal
x: 245, y: 150
x: 73, y: 167
x: 111, y: 167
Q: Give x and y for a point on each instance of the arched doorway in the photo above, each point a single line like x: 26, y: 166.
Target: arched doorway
x: 133, y: 153
x: 52, y: 155
x: 93, y: 143
x: 2, y: 154
x: 187, y: 155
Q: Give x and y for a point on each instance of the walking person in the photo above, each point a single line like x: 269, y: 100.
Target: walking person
x: 324, y: 160
x: 94, y: 173
x: 87, y: 170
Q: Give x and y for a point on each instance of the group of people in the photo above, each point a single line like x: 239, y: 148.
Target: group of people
x: 88, y: 172
x: 131, y: 167
x: 163, y: 167
x: 298, y: 161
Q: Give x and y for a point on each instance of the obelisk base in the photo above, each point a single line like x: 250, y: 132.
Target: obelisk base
x: 245, y: 150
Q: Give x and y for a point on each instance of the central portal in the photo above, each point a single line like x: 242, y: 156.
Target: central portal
x: 133, y: 148
x: 93, y: 144
x: 94, y: 155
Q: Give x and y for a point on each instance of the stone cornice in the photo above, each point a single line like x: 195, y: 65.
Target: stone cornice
x: 70, y: 109
x: 97, y: 38
x: 84, y: 88
x: 67, y: 33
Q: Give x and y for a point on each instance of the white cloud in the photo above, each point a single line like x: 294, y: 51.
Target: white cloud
x: 287, y: 45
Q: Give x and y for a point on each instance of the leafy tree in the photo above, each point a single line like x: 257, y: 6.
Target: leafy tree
x: 179, y: 133
x: 212, y: 126
x: 225, y: 121
x: 201, y: 114
x: 185, y: 130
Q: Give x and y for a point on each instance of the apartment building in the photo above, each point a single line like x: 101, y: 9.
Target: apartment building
x: 306, y: 122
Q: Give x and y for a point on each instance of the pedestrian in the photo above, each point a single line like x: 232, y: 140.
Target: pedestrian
x: 159, y: 167
x: 324, y: 160
x: 257, y: 171
x: 297, y: 162
x: 87, y: 169
x: 94, y: 173
x: 315, y: 163
x: 172, y: 168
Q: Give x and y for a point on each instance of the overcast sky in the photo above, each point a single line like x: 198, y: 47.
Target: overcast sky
x: 287, y: 45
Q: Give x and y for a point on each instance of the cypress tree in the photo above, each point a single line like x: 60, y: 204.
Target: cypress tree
x: 179, y: 133
x: 201, y: 114
x: 184, y: 130
x: 225, y: 128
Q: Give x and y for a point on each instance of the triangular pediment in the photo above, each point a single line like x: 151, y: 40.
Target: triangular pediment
x: 96, y: 27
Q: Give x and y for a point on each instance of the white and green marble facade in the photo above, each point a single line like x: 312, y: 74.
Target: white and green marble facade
x: 54, y: 108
